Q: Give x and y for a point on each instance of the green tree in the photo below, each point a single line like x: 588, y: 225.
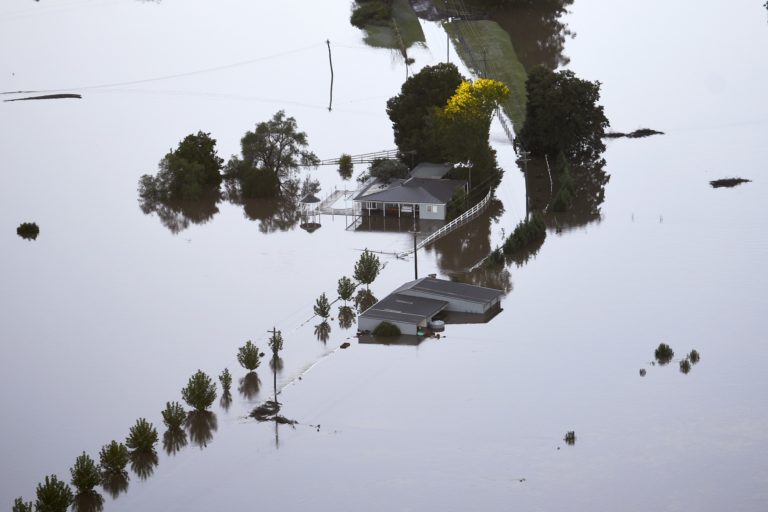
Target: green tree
x: 346, y: 167
x: 113, y: 458
x: 276, y: 343
x: 562, y: 115
x: 174, y: 415
x: 345, y: 289
x: 387, y: 169
x: 53, y: 495
x: 271, y: 157
x: 367, y: 268
x: 248, y: 356
x: 186, y: 174
x: 200, y: 391
x: 86, y: 474
x: 142, y: 437
x: 413, y: 111
x: 322, y: 307
x: 225, y: 378
x: 19, y: 505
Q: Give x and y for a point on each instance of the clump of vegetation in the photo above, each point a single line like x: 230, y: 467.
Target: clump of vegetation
x: 642, y: 372
x: 367, y: 268
x: 86, y: 474
x: 526, y: 234
x: 113, y: 458
x: 266, y: 410
x: 685, y: 366
x: 664, y: 354
x: 728, y: 182
x: 53, y: 495
x: 496, y: 258
x: 28, y: 230
x: 371, y: 12
x: 346, y: 167
x: 386, y: 329
x: 174, y: 415
x: 276, y: 343
x: 19, y: 505
x: 200, y: 391
x: 345, y: 289
x: 142, y: 437
x: 694, y: 356
x: 201, y: 426
x: 386, y: 169
x: 225, y: 378
x: 570, y: 437
x: 144, y: 463
x: 322, y: 307
x: 248, y: 356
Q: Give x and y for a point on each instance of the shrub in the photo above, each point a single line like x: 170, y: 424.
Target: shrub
x: 174, y: 415
x: 664, y: 354
x: 53, y: 495
x: 28, y: 230
x: 322, y: 307
x: 345, y: 289
x: 386, y: 329
x: 346, y: 167
x: 570, y: 437
x: 694, y: 356
x: 527, y: 233
x: 113, y: 457
x: 200, y: 391
x: 86, y: 474
x: 142, y: 437
x: 685, y: 366
x: 225, y: 378
x: 248, y: 356
x: 19, y: 505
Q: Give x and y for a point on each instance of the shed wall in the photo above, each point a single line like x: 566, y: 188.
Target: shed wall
x: 369, y: 324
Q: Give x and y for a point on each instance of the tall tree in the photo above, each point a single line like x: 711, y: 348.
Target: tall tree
x: 367, y: 268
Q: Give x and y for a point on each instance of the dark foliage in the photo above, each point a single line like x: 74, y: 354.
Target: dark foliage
x: 364, y: 299
x: 174, y: 439
x: 248, y: 356
x: 386, y: 329
x: 88, y: 502
x: 322, y: 307
x: 346, y: 317
x: 728, y: 182
x: 637, y: 134
x: 144, y: 463
x: 526, y: 234
x: 113, y: 458
x: 249, y: 385
x: 200, y: 391
x: 694, y: 356
x: 387, y: 169
x: 570, y: 437
x: 142, y: 437
x: 346, y: 167
x: 201, y: 426
x: 173, y: 415
x: 685, y: 366
x: 53, y: 495
x: 225, y: 378
x: 345, y: 289
x: 28, y: 230
x: 85, y: 474
x: 276, y: 343
x: 371, y: 12
x: 367, y: 268
x: 115, y: 483
x: 19, y: 505
x: 664, y: 354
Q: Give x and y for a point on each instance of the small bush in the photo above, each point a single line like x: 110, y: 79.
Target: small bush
x: 28, y: 230
x: 174, y: 415
x: 53, y: 495
x: 200, y: 391
x: 248, y: 356
x: 346, y: 167
x: 664, y: 354
x: 142, y: 437
x: 527, y: 233
x: 694, y: 356
x: 19, y: 505
x: 225, y: 378
x: 86, y: 474
x: 386, y: 329
x: 322, y: 307
x: 113, y: 458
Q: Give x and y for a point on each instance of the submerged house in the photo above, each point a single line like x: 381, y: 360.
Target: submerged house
x: 415, y: 304
x: 424, y: 194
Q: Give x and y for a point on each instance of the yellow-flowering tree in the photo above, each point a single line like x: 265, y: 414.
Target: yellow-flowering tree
x: 476, y: 100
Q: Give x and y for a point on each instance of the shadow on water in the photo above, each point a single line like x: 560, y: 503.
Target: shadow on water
x: 115, y: 483
x: 201, y: 425
x: 174, y: 440
x: 323, y: 331
x: 88, y: 502
x: 178, y: 215
x: 144, y: 464
x: 249, y: 385
x: 346, y: 317
x: 226, y: 400
x: 404, y: 340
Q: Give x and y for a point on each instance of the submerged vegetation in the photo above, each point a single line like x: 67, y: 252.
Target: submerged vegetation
x: 249, y: 356
x: 728, y: 182
x: 28, y: 230
x: 322, y: 307
x: 200, y: 391
x: 85, y: 474
x: 664, y: 354
x: 173, y: 415
x: 367, y: 268
x: 386, y: 329
x: 53, y: 495
x: 113, y: 458
x: 142, y: 437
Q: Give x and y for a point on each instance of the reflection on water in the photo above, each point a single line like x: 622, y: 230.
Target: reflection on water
x: 88, y: 502
x: 346, y: 317
x: 276, y: 363
x: 323, y: 331
x: 405, y: 340
x: 249, y: 385
x: 273, y: 214
x: 178, y: 215
x: 143, y: 464
x: 226, y: 400
x: 364, y: 299
x: 201, y: 425
x: 174, y: 440
x: 115, y: 483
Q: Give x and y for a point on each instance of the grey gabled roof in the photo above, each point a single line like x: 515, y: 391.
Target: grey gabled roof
x: 416, y: 190
x: 404, y: 308
x: 430, y: 170
x: 442, y: 289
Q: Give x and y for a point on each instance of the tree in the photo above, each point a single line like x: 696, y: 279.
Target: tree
x: 186, y: 174
x: 113, y: 458
x: 271, y: 157
x: 142, y: 437
x: 19, y: 505
x: 367, y: 268
x: 86, y: 474
x: 413, y: 111
x: 562, y: 115
x: 346, y: 167
x: 174, y: 415
x: 322, y: 307
x: 225, y: 378
x: 276, y: 343
x: 387, y: 169
x: 53, y: 495
x: 200, y: 391
x: 345, y: 289
x: 248, y: 356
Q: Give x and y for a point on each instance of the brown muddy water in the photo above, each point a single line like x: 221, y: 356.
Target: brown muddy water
x: 108, y: 312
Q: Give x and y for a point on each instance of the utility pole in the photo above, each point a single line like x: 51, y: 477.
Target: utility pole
x: 415, y: 255
x: 274, y: 365
x: 330, y: 60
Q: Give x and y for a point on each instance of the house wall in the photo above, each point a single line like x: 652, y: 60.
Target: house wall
x: 439, y: 215
x: 369, y: 324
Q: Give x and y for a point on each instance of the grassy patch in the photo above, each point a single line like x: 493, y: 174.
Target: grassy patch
x: 485, y: 45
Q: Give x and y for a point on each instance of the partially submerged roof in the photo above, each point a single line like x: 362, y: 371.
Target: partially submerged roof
x: 430, y: 170
x: 404, y: 308
x: 441, y: 288
x: 309, y: 198
x: 415, y: 190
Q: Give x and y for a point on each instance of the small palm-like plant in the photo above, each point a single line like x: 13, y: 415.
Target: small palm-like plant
x: 19, y: 505
x: 142, y: 437
x: 174, y: 415
x: 248, y: 356
x: 322, y: 307
x: 53, y: 495
x: 225, y: 378
x: 113, y: 458
x: 86, y: 474
x: 200, y: 391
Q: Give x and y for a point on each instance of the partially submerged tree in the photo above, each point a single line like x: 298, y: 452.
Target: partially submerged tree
x: 345, y: 289
x: 174, y: 415
x: 142, y: 437
x: 346, y: 167
x: 200, y: 391
x: 225, y: 378
x: 19, y: 505
x: 322, y: 307
x: 53, y: 495
x: 367, y: 268
x: 271, y: 157
x: 248, y: 356
x: 113, y: 458
x: 86, y: 474
x: 276, y: 343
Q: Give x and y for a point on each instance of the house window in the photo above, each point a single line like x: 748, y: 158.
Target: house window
x: 432, y: 208
x: 371, y: 205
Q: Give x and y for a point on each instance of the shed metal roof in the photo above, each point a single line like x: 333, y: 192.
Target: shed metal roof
x: 404, y: 308
x: 441, y: 288
x: 416, y: 190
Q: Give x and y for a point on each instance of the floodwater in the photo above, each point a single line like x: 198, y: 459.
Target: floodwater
x: 108, y: 312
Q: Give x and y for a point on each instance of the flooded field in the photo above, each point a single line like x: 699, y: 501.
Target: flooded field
x: 106, y: 314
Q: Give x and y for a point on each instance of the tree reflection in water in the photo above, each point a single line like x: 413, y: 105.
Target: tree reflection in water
x: 276, y: 364
x: 143, y: 464
x: 346, y: 317
x: 178, y: 215
x: 273, y: 214
x: 115, y: 483
x: 364, y: 299
x: 249, y: 385
x: 226, y: 400
x: 201, y: 425
x: 174, y: 440
x: 88, y: 502
x: 323, y: 331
